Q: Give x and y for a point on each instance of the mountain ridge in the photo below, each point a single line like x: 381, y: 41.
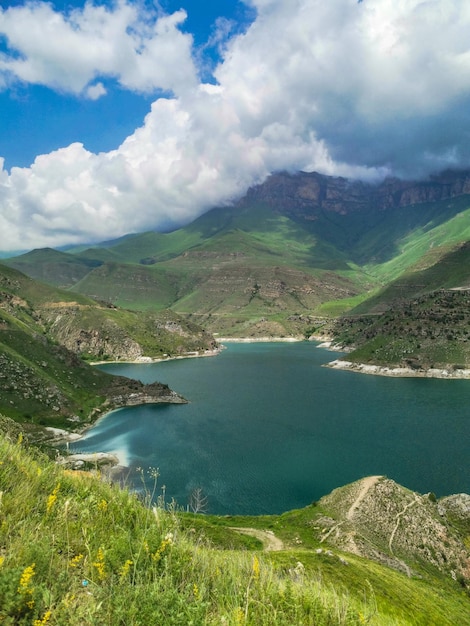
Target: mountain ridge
x: 296, y: 248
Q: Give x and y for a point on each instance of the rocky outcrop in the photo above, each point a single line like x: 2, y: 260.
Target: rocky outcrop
x: 381, y: 520
x: 402, y: 372
x: 104, y: 340
x: 123, y: 392
x: 305, y: 194
x: 457, y: 505
x: 102, y: 334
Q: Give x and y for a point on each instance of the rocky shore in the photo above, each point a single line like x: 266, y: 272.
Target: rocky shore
x: 404, y: 372
x: 150, y: 359
x: 259, y: 339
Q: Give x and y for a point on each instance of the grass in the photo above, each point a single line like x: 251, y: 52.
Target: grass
x: 428, y: 331
x: 76, y: 550
x: 60, y: 564
x: 44, y: 334
x: 40, y: 383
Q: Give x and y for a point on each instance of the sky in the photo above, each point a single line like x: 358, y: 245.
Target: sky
x: 127, y: 116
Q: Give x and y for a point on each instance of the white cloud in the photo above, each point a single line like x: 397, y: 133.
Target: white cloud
x: 96, y: 91
x: 67, y: 52
x: 347, y: 88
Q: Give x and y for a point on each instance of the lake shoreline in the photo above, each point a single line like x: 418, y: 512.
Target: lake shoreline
x: 287, y: 388
x: 260, y: 339
x: 148, y: 360
x: 399, y: 372
x: 112, y: 460
x: 322, y: 342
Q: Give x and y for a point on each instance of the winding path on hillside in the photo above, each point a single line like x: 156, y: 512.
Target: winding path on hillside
x: 270, y: 542
x: 398, y: 519
x: 367, y: 484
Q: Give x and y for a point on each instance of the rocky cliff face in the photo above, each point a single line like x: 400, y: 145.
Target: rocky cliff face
x: 305, y: 194
x: 100, y: 333
x: 104, y: 340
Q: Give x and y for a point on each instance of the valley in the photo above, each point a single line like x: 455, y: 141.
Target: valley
x: 300, y: 255
x: 381, y: 271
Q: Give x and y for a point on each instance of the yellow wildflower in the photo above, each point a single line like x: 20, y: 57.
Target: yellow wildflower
x: 25, y: 580
x: 163, y: 546
x: 2, y: 558
x: 75, y: 562
x: 256, y: 567
x: 125, y: 569
x: 102, y: 505
x: 239, y: 616
x: 52, y: 498
x: 44, y: 620
x: 69, y: 600
x: 196, y: 591
x: 99, y: 564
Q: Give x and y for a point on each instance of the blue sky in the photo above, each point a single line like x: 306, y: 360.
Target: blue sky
x: 127, y: 116
x: 36, y: 119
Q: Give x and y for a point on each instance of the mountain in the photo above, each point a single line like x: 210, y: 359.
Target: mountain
x: 52, y: 266
x: 298, y: 247
x: 45, y: 333
x: 420, y: 321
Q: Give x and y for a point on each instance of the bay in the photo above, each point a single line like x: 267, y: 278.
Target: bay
x: 267, y: 429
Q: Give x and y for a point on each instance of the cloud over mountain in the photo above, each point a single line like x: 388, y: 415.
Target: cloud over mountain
x: 361, y: 89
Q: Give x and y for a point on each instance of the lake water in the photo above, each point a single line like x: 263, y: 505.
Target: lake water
x: 268, y: 429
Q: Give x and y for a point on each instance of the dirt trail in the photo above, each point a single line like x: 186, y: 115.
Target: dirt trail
x: 398, y: 519
x: 270, y: 542
x: 367, y: 483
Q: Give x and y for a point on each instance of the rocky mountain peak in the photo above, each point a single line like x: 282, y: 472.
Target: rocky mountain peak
x: 305, y: 194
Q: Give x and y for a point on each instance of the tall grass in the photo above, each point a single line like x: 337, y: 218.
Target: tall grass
x: 75, y: 550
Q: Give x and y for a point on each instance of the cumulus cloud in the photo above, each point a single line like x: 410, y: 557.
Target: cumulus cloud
x: 143, y: 51
x: 360, y: 89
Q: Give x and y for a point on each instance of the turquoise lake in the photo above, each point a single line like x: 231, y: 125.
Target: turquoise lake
x: 267, y: 429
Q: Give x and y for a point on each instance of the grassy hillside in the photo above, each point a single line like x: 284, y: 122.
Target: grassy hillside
x: 247, y: 265
x: 92, y: 329
x: 44, y: 332
x: 61, y: 565
x: 431, y: 331
x: 436, y: 270
x: 281, y: 255
x: 420, y: 320
x: 51, y: 266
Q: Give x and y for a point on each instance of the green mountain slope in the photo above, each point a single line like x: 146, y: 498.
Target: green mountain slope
x: 421, y: 320
x: 296, y: 247
x: 44, y: 331
x: 96, y: 330
x: 42, y: 383
x: 375, y: 237
x: 51, y: 266
x: 426, y: 333
x: 448, y: 271
x: 252, y: 264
